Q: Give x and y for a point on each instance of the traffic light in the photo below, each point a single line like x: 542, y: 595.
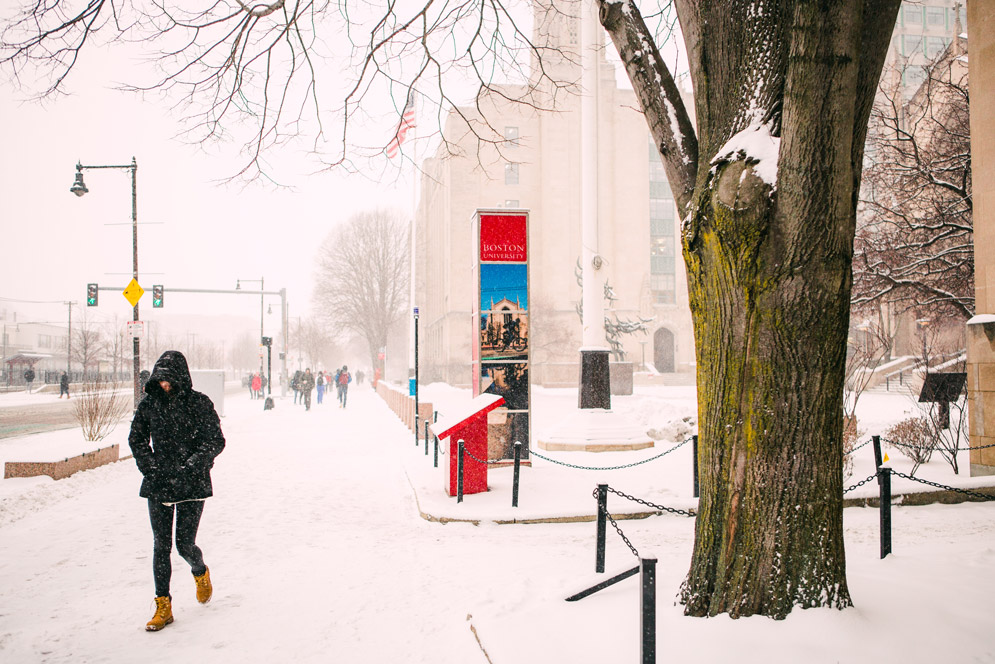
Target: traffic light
x: 91, y: 295
x: 157, y: 296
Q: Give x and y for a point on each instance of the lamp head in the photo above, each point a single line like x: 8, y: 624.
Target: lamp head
x: 79, y: 188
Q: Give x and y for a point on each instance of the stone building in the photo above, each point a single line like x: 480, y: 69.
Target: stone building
x: 536, y: 166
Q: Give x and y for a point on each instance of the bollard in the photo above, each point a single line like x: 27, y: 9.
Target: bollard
x: 599, y: 561
x: 426, y: 437
x: 876, y: 442
x: 647, y: 611
x: 416, y: 425
x: 518, y: 465
x: 884, y: 479
x: 459, y: 473
x: 435, y: 454
x: 694, y: 452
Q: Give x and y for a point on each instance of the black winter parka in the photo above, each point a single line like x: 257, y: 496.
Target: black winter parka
x: 185, y: 434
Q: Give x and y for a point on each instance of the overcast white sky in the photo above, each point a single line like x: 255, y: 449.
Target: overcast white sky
x: 193, y: 232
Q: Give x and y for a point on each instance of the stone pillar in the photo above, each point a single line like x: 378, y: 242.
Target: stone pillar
x: 981, y: 328
x: 981, y: 392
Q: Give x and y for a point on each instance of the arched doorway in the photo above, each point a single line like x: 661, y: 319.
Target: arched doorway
x: 663, y: 350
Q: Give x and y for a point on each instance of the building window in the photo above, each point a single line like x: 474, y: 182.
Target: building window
x: 662, y: 209
x: 936, y: 17
x: 511, y: 173
x: 912, y: 78
x: 911, y: 44
x: 663, y: 287
x: 935, y: 46
x: 511, y: 202
x: 911, y: 14
x: 44, y: 341
x: 511, y: 137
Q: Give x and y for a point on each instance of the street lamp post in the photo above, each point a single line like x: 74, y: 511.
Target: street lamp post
x: 262, y: 297
x: 79, y: 188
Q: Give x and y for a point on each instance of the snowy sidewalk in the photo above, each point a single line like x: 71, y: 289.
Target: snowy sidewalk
x: 318, y: 554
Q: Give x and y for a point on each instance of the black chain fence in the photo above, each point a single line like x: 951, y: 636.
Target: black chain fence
x: 973, y: 494
x: 959, y: 449
x: 860, y: 483
x: 628, y: 465
x: 615, y: 525
x: 662, y: 508
x: 486, y: 462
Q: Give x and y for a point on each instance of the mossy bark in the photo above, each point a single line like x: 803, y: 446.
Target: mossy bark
x: 769, y: 277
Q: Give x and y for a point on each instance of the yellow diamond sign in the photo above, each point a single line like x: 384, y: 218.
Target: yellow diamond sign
x: 133, y: 293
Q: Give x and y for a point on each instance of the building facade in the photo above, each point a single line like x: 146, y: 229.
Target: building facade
x: 537, y: 167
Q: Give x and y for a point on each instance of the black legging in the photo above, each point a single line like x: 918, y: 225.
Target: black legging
x: 187, y: 521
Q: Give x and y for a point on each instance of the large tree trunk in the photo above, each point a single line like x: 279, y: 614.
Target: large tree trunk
x: 782, y: 93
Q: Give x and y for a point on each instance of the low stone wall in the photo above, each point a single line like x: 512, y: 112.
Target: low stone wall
x: 404, y: 406
x: 58, y: 470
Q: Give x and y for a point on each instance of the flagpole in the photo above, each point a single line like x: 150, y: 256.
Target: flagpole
x: 413, y: 248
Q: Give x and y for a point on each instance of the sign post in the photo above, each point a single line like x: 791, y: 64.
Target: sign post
x: 501, y: 354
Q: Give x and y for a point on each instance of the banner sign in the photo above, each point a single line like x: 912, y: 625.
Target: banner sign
x: 500, y: 350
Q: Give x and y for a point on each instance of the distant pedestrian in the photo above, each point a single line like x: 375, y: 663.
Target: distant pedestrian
x: 295, y: 384
x: 344, y: 380
x: 320, y: 384
x: 307, y: 384
x: 64, y: 385
x: 359, y: 377
x: 338, y: 388
x: 29, y: 376
x: 185, y: 434
x: 257, y: 385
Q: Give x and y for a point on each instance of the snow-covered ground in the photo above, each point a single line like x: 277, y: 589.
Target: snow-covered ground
x: 318, y: 554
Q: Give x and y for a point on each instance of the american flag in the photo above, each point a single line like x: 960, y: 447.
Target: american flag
x: 407, y: 122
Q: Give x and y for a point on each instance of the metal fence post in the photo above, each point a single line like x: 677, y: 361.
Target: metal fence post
x: 426, y: 436
x: 599, y: 562
x: 459, y: 473
x: 518, y: 465
x: 647, y: 611
x: 876, y: 442
x: 884, y: 479
x: 435, y: 453
x: 694, y: 453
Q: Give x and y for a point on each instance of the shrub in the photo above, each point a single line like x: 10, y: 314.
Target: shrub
x: 98, y: 406
x: 914, y: 439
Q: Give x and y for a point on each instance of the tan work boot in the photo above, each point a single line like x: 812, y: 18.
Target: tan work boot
x: 163, y: 615
x: 204, y: 589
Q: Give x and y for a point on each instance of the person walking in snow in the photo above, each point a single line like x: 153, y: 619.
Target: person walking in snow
x: 185, y: 434
x: 64, y: 385
x: 320, y: 384
x: 307, y: 384
x: 257, y: 385
x: 344, y: 380
x: 295, y: 384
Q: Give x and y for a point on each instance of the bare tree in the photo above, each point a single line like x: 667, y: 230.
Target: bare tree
x: 766, y: 185
x: 312, y: 339
x: 914, y: 247
x: 766, y: 182
x: 362, y: 277
x: 89, y: 345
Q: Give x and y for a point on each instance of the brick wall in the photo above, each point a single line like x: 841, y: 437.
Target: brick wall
x: 58, y: 470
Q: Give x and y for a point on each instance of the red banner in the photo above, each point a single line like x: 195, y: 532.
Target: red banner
x: 503, y: 238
